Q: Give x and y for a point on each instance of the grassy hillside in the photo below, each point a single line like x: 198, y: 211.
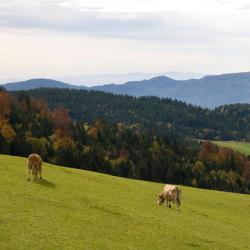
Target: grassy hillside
x: 74, y: 209
x: 243, y: 147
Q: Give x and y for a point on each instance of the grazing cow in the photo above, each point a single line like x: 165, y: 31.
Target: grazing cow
x: 35, y: 166
x: 170, y: 193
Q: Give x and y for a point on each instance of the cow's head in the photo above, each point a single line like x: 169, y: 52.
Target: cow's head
x: 160, y: 199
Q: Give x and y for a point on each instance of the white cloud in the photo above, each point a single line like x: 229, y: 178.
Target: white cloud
x: 149, y: 25
x: 137, y: 19
x: 169, y: 25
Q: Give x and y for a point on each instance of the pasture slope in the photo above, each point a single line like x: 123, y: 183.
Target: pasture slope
x: 242, y: 147
x: 75, y: 209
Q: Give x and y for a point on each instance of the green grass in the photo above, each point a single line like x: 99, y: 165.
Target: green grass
x: 242, y: 147
x: 74, y: 209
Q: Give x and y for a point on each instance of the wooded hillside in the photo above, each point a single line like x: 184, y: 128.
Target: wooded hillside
x: 28, y: 125
x: 230, y: 122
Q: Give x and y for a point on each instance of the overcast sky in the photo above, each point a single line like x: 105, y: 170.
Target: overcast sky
x: 46, y: 38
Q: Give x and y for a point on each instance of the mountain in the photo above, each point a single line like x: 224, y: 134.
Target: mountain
x: 209, y: 91
x: 39, y: 83
x: 157, y: 86
x: 101, y: 79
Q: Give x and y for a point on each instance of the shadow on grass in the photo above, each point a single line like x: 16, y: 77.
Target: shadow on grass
x: 46, y: 183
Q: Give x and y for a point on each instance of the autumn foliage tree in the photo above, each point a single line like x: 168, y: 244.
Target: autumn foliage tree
x: 5, y: 104
x: 61, y: 121
x: 7, y: 134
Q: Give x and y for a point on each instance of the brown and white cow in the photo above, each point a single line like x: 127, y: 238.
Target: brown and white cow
x: 34, y: 164
x: 170, y: 193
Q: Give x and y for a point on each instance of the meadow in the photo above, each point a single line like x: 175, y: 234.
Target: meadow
x: 242, y: 147
x: 76, y: 209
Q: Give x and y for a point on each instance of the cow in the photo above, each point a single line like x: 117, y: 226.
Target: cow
x: 34, y: 164
x: 170, y: 193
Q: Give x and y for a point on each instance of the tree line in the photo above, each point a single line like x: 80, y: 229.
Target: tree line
x: 229, y: 122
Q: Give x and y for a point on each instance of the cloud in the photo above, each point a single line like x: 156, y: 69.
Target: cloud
x: 93, y: 36
x: 245, y: 7
x: 169, y: 25
x: 223, y: 1
x: 94, y: 18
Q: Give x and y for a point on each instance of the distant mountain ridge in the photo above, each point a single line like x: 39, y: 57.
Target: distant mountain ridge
x: 209, y: 91
x: 102, y: 79
x: 39, y: 83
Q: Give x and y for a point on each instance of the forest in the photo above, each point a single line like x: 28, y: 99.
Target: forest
x: 123, y: 136
x: 230, y: 122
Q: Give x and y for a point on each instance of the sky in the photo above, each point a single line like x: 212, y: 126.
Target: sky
x: 47, y: 38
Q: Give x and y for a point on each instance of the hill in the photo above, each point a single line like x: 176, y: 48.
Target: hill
x: 209, y: 91
x: 242, y: 147
x: 148, y: 150
x: 230, y: 122
x: 39, y: 83
x: 101, y: 79
x: 74, y: 209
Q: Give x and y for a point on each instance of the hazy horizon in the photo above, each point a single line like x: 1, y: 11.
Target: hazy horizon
x: 106, y: 79
x: 109, y: 78
x: 66, y: 38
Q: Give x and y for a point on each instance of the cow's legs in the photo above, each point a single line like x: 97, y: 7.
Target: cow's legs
x: 40, y: 174
x: 29, y: 174
x: 34, y: 174
x: 178, y: 205
x: 166, y: 203
x: 169, y: 202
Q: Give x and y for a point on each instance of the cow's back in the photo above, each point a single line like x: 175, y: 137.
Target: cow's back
x: 169, y: 188
x: 170, y: 191
x: 34, y: 160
